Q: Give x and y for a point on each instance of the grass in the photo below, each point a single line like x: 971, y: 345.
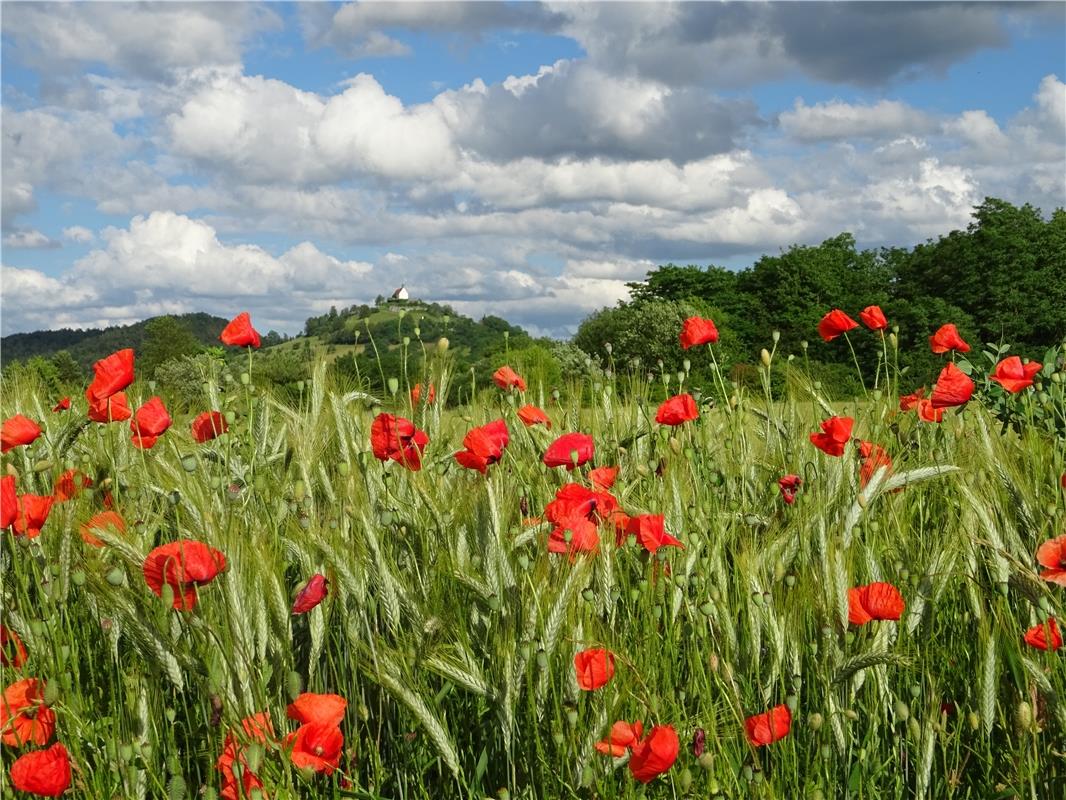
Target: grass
x: 451, y: 630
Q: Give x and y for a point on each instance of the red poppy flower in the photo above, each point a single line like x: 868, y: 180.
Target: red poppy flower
x: 320, y: 709
x: 416, y: 394
x: 12, y: 650
x: 239, y: 332
x: 928, y: 413
x: 874, y: 457
x: 909, y: 401
x: 1013, y: 375
x: 696, y: 330
x: 570, y: 450
x: 316, y: 746
x: 836, y: 432
x: 113, y: 374
x: 835, y: 323
x: 655, y: 755
x: 505, y: 378
x: 9, y: 501
x: 603, y: 478
x: 149, y: 423
x: 677, y: 410
x: 873, y: 318
x: 947, y: 338
x: 33, y: 512
x: 874, y: 601
x: 45, y: 773
x: 650, y: 532
x: 1052, y: 555
x: 953, y: 388
x: 1038, y: 636
x: 18, y: 431
x: 208, y: 426
x: 182, y: 565
x: 313, y: 593
x: 531, y: 415
x: 624, y: 736
x: 107, y: 521
x: 574, y: 500
x: 484, y: 446
x: 574, y: 535
x: 764, y: 729
x: 109, y: 409
x: 62, y: 405
x: 398, y: 439
x: 24, y: 718
x: 238, y: 786
x: 594, y: 668
x: 70, y: 484
x: 789, y: 485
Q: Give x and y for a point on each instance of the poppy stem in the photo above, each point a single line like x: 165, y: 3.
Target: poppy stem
x: 858, y: 369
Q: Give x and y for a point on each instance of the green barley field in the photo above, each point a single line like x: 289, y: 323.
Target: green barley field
x: 453, y: 633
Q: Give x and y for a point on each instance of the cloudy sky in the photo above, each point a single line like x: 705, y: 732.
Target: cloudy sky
x: 519, y: 159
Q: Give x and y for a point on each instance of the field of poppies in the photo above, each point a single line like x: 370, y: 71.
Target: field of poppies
x: 626, y: 587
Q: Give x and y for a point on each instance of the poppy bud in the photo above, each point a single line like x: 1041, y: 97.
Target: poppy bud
x: 418, y: 331
x: 764, y: 356
x: 1023, y: 716
x: 588, y: 595
x: 571, y: 716
x: 685, y: 779
x: 814, y: 721
x: 125, y: 753
x: 747, y: 773
x: 188, y: 463
x: 231, y: 417
x: 343, y: 469
x: 77, y: 577
x: 406, y: 341
x: 542, y: 659
x: 442, y: 345
x: 974, y: 720
x: 914, y: 729
x: 706, y: 760
x: 245, y: 378
x: 503, y: 794
x: 903, y: 711
x: 790, y: 581
x: 893, y: 339
x: 116, y: 577
x: 293, y: 685
x: 253, y: 754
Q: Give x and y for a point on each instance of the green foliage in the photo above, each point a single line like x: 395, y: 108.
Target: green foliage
x: 182, y: 380
x: 165, y: 338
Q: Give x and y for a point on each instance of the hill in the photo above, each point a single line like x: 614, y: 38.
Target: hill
x: 86, y: 345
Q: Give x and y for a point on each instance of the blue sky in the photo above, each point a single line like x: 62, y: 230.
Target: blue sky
x: 524, y: 159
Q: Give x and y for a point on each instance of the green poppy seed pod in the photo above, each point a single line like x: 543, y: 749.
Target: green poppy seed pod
x: 523, y: 561
x: 825, y: 750
x: 171, y: 715
x: 1023, y: 716
x: 245, y: 378
x: 902, y: 710
x: 188, y: 463
x: 706, y: 760
x: 792, y: 701
x: 974, y: 719
x: 125, y: 753
x: 747, y: 773
x: 634, y: 595
x: 542, y: 659
x: 588, y: 777
x: 657, y: 611
x: 803, y: 345
x: 305, y: 523
x: 790, y: 581
x: 915, y: 690
x: 685, y: 779
x: 116, y: 577
x: 555, y: 395
x: 293, y: 685
x: 167, y: 595
x: 757, y: 598
x: 406, y: 341
x: 176, y: 788
x: 818, y: 385
x: 394, y: 385
x: 231, y: 417
x: 77, y: 577
x: 1045, y: 606
x: 571, y: 716
x: 904, y: 573
x: 558, y: 738
x: 588, y: 595
x: 494, y: 602
x: 343, y: 469
x: 815, y: 721
x: 764, y: 356
x: 253, y: 754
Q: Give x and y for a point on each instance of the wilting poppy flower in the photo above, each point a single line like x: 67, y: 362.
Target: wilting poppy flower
x: 484, y: 446
x: 9, y: 501
x: 697, y: 330
x: 33, y: 512
x: 1052, y: 555
x: 531, y: 415
x: 929, y: 413
x: 650, y: 532
x: 316, y: 746
x: 182, y: 565
x: 1013, y: 375
x: 62, y: 405
x: 874, y: 457
x: 107, y: 521
x: 574, y: 535
x: 594, y: 668
x: 953, y: 388
x: 655, y: 754
x: 149, y: 423
x: 677, y: 410
x: 570, y: 450
x: 789, y: 485
x: 311, y: 595
x: 947, y: 338
x: 836, y: 431
x: 69, y: 485
x: 603, y: 478
x: 18, y: 431
x: 12, y: 650
x: 909, y: 401
x: 699, y: 742
x: 505, y: 378
x: 209, y: 425
x: 835, y: 323
x: 397, y: 438
x: 416, y: 394
x: 323, y: 709
x: 239, y: 332
x: 623, y: 737
x: 874, y: 601
x: 45, y: 773
x: 764, y: 729
x: 113, y: 374
x: 24, y: 718
x: 873, y: 318
x: 109, y: 409
x: 1037, y: 636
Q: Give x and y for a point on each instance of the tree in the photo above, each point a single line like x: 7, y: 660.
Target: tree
x: 68, y: 371
x: 165, y: 338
